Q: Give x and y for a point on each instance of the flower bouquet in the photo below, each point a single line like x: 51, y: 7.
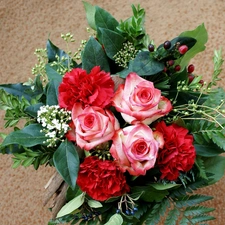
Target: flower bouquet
x: 130, y: 128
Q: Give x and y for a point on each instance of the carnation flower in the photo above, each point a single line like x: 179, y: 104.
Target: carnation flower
x: 100, y: 179
x: 95, y: 88
x: 178, y: 153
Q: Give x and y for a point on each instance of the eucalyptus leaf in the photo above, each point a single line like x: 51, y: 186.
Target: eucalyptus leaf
x: 66, y: 161
x: 53, y: 51
x: 216, y: 166
x: 207, y: 149
x: 94, y: 55
x: 32, y: 109
x: 115, y: 219
x: 200, y: 34
x: 71, y: 205
x: 52, y: 92
x: 161, y: 187
x: 112, y: 42
x: 90, y: 14
x: 94, y: 204
x: 52, y: 73
x: 29, y: 136
x: 104, y: 19
x: 143, y: 65
x: 20, y: 90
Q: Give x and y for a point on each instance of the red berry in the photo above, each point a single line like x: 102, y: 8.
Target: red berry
x: 177, y: 68
x: 201, y: 82
x: 183, y: 49
x: 165, y: 69
x: 167, y: 44
x: 190, y: 78
x: 191, y: 68
x: 151, y: 47
x: 170, y: 62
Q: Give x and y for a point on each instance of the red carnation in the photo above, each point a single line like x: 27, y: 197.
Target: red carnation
x: 95, y: 88
x: 178, y: 153
x: 100, y: 179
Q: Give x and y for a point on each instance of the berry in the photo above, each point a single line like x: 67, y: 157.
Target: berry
x: 151, y: 47
x: 118, y: 211
x: 183, y: 49
x: 177, y: 68
x: 127, y: 212
x: 167, y: 44
x: 201, y: 82
x: 135, y: 209
x: 165, y: 69
x: 191, y: 68
x: 190, y: 78
x: 170, y: 62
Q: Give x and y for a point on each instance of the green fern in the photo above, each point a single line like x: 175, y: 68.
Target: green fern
x: 153, y: 215
x: 207, y: 132
x: 218, y: 62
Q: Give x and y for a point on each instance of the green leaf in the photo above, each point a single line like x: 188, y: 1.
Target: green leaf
x: 161, y: 187
x: 104, y: 19
x: 201, y: 218
x: 94, y: 55
x: 150, y: 194
x: 94, y: 204
x: 199, y: 162
x: 19, y: 90
x: 66, y: 161
x: 172, y: 217
x: 90, y: 14
x: 152, y: 216
x: 52, y: 92
x: 52, y: 73
x: 111, y: 41
x: 29, y: 136
x: 216, y: 166
x: 200, y: 34
x: 191, y: 200
x: 197, y: 210
x: 71, y: 205
x: 53, y: 51
x: 32, y: 109
x: 207, y: 149
x: 143, y: 65
x: 115, y: 219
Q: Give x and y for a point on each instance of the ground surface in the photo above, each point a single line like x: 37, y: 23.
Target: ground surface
x: 26, y: 25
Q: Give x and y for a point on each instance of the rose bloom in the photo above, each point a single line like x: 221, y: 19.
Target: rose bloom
x: 178, y: 153
x: 135, y: 148
x: 100, y: 179
x: 91, y: 126
x: 138, y: 101
x: 95, y: 88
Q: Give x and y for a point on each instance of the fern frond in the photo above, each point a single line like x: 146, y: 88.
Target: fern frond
x: 218, y: 62
x: 157, y: 211
x: 172, y: 217
x: 197, y: 210
x: 191, y: 200
x: 201, y: 167
x: 201, y: 218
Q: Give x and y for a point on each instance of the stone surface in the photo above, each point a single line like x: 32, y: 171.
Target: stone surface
x: 26, y: 25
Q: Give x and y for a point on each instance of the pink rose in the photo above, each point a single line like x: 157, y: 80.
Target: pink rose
x: 91, y: 126
x: 138, y: 101
x: 135, y: 148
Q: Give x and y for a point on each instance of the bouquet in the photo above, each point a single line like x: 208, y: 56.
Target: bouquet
x: 129, y: 126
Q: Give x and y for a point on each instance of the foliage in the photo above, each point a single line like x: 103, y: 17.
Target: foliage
x: 120, y: 48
